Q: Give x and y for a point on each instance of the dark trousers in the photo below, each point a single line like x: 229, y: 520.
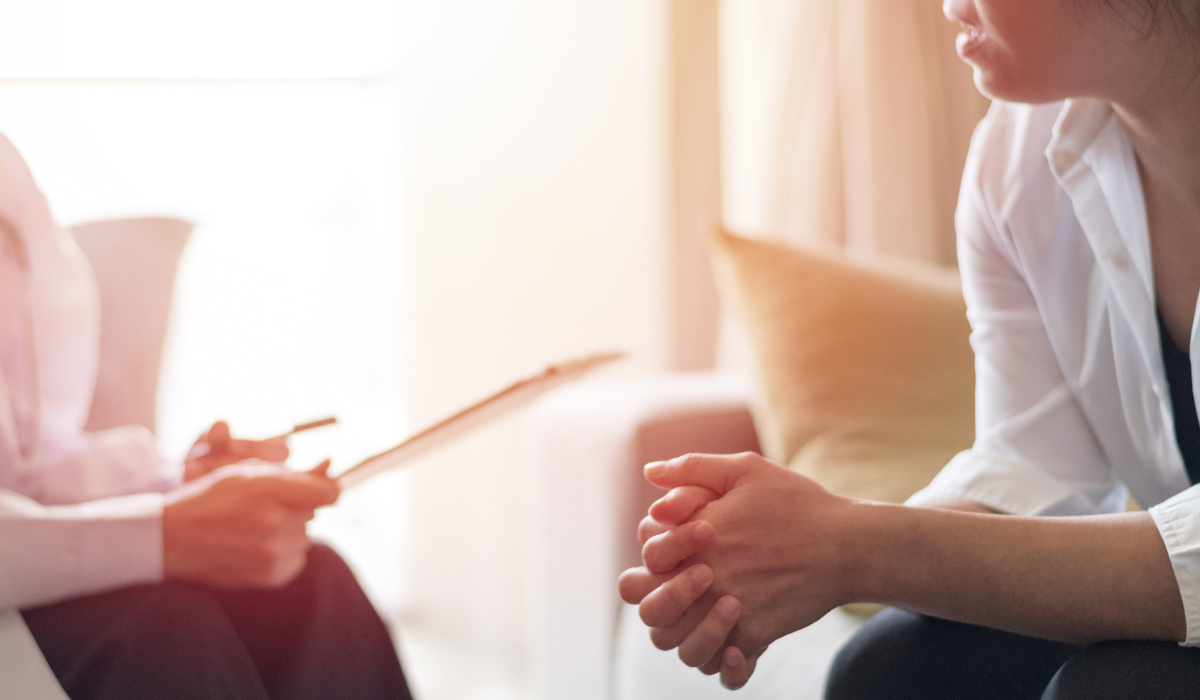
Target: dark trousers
x: 903, y: 655
x: 317, y: 637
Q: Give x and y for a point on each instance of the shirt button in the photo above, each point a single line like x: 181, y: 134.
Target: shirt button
x: 1119, y: 261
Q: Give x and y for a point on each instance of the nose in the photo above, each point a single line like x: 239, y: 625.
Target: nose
x: 957, y: 10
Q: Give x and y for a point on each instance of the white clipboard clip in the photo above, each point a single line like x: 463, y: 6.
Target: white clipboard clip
x: 508, y: 399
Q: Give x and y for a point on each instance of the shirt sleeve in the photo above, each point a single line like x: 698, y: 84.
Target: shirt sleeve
x: 52, y: 553
x: 98, y: 465
x: 1178, y: 521
x: 1034, y: 451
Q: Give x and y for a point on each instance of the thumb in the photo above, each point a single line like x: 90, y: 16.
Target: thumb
x: 218, y: 434
x: 322, y: 469
x: 719, y: 473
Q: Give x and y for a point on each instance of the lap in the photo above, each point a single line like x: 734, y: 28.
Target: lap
x: 152, y: 641
x: 899, y: 654
x: 316, y: 637
x: 1119, y: 670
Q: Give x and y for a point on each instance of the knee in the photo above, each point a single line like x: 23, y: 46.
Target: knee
x: 880, y: 660
x: 172, y: 616
x: 166, y: 640
x: 323, y: 558
x: 1128, y: 669
x: 325, y: 569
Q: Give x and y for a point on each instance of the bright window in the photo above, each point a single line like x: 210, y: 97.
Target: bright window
x: 274, y: 126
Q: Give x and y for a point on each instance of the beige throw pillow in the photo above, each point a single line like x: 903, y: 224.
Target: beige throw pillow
x: 865, y: 374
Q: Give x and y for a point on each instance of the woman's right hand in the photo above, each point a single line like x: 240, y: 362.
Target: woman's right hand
x: 242, y: 526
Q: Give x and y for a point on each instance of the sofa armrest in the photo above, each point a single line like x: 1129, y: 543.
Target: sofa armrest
x: 134, y: 262
x: 589, y: 445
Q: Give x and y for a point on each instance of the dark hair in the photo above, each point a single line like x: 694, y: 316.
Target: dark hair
x: 1148, y: 15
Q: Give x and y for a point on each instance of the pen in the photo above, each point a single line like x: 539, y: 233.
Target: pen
x: 301, y: 427
x: 201, y: 449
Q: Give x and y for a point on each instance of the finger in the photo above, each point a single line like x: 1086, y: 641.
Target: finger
x: 664, y: 552
x: 272, y: 450
x: 198, y: 451
x: 202, y: 438
x: 713, y: 667
x: 218, y: 434
x: 302, y: 516
x: 637, y: 583
x: 649, y: 527
x: 716, y: 472
x: 666, y: 605
x: 211, y: 442
x: 671, y: 637
x: 322, y: 469
x: 704, y: 643
x: 681, y: 503
x: 297, y: 490
x: 736, y: 668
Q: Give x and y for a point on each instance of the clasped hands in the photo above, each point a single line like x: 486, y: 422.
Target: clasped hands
x: 739, y: 553
x: 239, y: 519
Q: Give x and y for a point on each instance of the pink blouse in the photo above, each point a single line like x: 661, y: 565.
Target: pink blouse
x: 80, y: 512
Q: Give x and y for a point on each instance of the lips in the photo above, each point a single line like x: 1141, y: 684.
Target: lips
x: 969, y: 40
x: 964, y: 13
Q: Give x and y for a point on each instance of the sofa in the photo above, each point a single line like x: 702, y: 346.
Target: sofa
x: 861, y: 377
x: 589, y: 444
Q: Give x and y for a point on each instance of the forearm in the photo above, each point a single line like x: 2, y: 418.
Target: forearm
x: 1078, y: 579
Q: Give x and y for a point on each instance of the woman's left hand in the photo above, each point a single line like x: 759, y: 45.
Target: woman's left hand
x: 216, y: 448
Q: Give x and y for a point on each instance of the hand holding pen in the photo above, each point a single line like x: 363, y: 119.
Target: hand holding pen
x: 216, y: 448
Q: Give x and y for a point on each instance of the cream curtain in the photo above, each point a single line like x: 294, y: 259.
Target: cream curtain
x: 877, y: 117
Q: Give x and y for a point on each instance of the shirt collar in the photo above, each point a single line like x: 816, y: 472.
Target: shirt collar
x: 1079, y: 124
x: 1089, y: 144
x: 1096, y: 167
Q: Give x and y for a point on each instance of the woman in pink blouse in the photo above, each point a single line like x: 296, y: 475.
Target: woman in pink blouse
x: 140, y: 577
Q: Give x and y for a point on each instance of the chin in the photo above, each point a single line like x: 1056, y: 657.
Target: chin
x: 999, y: 85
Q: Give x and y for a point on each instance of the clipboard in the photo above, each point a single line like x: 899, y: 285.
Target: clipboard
x: 514, y: 396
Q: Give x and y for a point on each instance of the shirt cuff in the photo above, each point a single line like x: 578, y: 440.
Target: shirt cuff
x: 1001, y: 484
x: 123, y: 542
x: 1178, y: 521
x: 54, y: 553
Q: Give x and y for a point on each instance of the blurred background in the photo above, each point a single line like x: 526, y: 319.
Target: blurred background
x: 402, y: 205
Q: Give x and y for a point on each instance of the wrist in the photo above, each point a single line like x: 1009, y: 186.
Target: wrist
x: 874, y: 545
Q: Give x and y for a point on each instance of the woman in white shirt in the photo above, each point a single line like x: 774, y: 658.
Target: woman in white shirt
x: 137, y: 576
x: 1079, y: 228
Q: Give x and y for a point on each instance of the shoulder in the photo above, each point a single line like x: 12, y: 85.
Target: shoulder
x: 1008, y: 153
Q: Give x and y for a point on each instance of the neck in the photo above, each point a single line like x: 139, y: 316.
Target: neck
x: 1163, y: 126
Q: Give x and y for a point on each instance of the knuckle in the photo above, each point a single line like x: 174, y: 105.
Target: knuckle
x: 663, y: 639
x: 649, y: 612
x: 644, y: 530
x: 752, y: 631
x: 694, y: 654
x: 652, y: 554
x: 657, y: 610
x: 681, y: 590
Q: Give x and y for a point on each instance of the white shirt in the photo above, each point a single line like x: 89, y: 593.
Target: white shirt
x: 80, y: 512
x: 1073, y: 411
